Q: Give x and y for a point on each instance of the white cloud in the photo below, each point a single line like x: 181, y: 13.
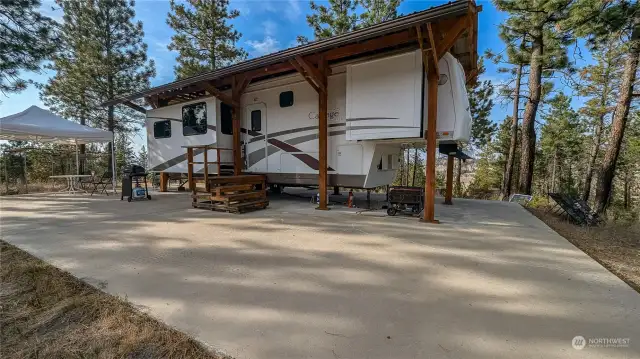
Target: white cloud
x: 266, y: 46
x: 293, y: 10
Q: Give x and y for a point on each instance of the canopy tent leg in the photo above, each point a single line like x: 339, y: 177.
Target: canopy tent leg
x: 26, y: 186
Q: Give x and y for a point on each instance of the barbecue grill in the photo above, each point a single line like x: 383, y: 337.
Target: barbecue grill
x: 130, y: 175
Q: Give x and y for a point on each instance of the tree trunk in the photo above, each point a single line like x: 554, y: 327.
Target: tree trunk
x: 528, y: 149
x: 554, y: 166
x: 593, y: 156
x: 508, y: 174
x: 458, y: 180
x: 415, y: 166
x: 618, y: 125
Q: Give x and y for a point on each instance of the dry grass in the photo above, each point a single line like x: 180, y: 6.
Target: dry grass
x: 47, y: 313
x: 615, y: 246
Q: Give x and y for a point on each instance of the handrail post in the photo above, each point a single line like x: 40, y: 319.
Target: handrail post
x: 218, y: 156
x: 206, y: 168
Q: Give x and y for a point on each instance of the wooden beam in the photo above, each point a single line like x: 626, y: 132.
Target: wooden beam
x: 452, y: 35
x: 190, y: 179
x: 323, y: 138
x: 164, y: 181
x: 471, y: 75
x: 312, y: 72
x: 243, y: 85
x: 432, y: 43
x: 400, y: 38
x: 229, y: 100
x: 235, y: 116
x: 449, y: 190
x: 135, y: 107
x: 430, y: 136
x: 305, y: 76
x: 152, y: 101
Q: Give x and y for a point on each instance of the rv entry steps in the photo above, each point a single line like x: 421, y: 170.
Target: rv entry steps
x: 233, y: 194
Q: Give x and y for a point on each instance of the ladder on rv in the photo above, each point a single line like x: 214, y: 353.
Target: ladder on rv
x: 222, y: 191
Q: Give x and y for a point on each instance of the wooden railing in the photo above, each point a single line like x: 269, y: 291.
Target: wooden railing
x: 206, y: 163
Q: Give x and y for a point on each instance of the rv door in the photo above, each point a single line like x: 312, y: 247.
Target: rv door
x: 255, y: 123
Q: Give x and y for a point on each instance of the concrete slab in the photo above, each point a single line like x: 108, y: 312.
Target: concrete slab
x: 491, y: 281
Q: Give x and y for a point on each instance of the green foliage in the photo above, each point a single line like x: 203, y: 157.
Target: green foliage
x: 26, y: 39
x: 340, y: 16
x: 481, y: 103
x: 561, y: 144
x: 204, y: 39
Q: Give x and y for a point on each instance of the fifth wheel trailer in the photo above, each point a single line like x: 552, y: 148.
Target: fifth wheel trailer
x: 374, y: 105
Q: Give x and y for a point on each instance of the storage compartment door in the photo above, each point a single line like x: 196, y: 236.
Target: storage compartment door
x: 384, y: 98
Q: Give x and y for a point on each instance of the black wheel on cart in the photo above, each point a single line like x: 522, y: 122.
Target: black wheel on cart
x: 128, y: 199
x: 148, y: 196
x: 392, y: 211
x: 121, y: 197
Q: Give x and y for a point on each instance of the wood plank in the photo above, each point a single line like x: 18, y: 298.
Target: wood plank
x: 229, y: 100
x: 405, y: 37
x: 304, y: 75
x: 232, y: 188
x: 164, y: 181
x: 235, y: 118
x: 323, y: 138
x: 315, y: 74
x: 192, y: 184
x: 432, y: 42
x: 134, y: 106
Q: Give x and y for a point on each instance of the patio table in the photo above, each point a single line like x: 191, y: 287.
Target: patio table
x: 71, y: 183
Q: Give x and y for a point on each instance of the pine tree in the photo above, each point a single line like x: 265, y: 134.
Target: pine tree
x: 377, y: 11
x: 142, y: 157
x: 517, y: 56
x: 102, y: 45
x: 340, y: 16
x: 599, y: 21
x: 480, y: 105
x: 535, y: 22
x: 561, y: 143
x: 600, y: 85
x: 26, y: 39
x: 204, y: 39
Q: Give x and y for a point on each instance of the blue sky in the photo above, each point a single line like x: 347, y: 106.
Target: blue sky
x: 266, y: 26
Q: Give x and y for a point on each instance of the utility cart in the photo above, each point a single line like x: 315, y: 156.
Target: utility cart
x: 402, y: 198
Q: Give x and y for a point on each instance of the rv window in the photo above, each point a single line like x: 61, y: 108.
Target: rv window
x: 256, y: 120
x: 226, y: 120
x: 194, y: 119
x: 162, y: 129
x: 286, y: 99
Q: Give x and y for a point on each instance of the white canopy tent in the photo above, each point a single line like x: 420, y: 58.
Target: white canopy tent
x: 36, y: 124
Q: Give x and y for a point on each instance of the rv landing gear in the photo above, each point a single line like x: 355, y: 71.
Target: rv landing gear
x: 276, y: 188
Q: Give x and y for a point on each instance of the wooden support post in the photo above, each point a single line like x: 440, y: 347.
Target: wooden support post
x: 206, y: 168
x: 219, y: 160
x: 164, y: 181
x: 449, y: 190
x: 323, y: 135
x: 430, y: 165
x: 192, y: 185
x: 237, y: 145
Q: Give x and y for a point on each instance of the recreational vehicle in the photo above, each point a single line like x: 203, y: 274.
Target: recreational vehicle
x: 375, y: 104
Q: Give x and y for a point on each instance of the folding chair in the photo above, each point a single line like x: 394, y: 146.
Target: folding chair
x: 100, y: 184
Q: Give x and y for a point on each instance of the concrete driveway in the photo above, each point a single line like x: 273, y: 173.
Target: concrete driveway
x: 491, y: 281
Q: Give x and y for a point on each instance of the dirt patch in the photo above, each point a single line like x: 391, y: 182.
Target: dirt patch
x: 47, y: 313
x: 615, y: 246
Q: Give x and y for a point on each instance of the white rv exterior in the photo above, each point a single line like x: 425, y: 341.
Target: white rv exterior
x: 374, y: 106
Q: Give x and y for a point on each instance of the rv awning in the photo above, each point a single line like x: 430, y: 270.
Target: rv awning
x: 36, y: 124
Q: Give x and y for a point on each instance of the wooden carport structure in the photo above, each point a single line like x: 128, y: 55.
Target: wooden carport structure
x: 447, y: 28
